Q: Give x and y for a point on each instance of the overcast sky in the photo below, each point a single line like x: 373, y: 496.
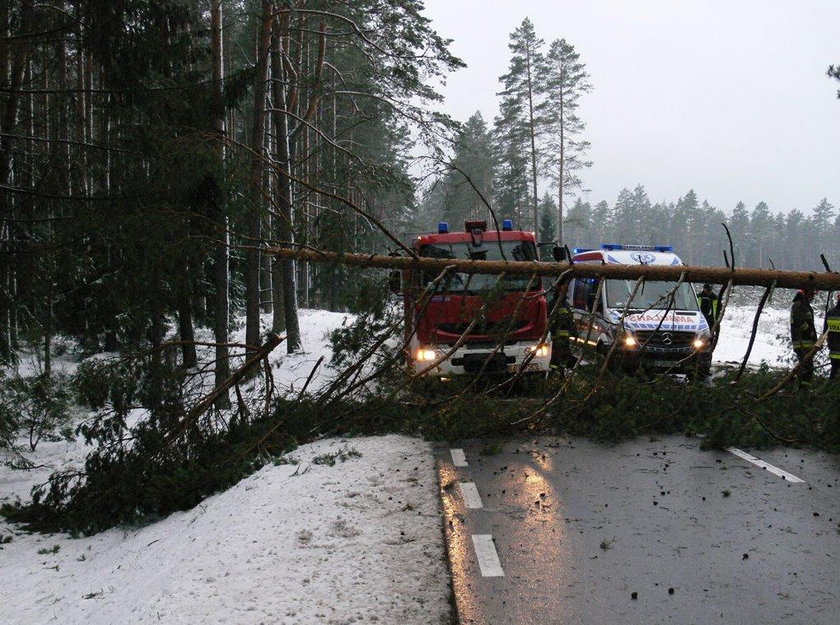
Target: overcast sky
x: 728, y: 97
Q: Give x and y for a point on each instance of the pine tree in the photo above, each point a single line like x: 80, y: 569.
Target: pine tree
x: 630, y: 209
x: 601, y: 228
x: 564, y: 152
x: 834, y: 72
x: 823, y: 220
x: 547, y: 231
x: 472, y: 165
x: 518, y: 123
x: 739, y: 228
x: 578, y: 227
x: 760, y: 234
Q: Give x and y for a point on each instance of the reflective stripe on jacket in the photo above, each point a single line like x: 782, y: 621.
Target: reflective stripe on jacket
x: 708, y: 305
x: 832, y: 325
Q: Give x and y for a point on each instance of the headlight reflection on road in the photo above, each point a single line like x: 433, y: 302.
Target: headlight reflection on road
x: 458, y: 544
x: 539, y: 538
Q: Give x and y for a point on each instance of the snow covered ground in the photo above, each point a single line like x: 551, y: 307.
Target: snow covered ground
x: 770, y: 342
x: 357, y: 542
x: 299, y: 543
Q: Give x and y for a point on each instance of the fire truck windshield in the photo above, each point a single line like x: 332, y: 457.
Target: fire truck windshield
x: 490, y: 250
x: 651, y: 295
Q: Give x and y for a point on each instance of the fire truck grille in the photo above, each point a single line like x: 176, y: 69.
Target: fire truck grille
x: 664, y: 338
x: 492, y: 328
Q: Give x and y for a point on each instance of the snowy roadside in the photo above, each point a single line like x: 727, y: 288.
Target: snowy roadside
x: 298, y: 543
x: 357, y: 542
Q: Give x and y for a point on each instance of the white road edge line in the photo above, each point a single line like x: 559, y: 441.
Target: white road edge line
x: 458, y: 458
x: 469, y: 492
x: 774, y: 470
x: 488, y: 559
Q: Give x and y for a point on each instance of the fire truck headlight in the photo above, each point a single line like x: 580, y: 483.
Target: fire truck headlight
x: 540, y: 351
x: 425, y: 354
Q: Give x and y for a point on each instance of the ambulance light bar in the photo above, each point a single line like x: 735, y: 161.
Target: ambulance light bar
x: 612, y: 247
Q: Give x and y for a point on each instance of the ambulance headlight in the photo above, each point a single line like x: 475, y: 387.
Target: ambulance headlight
x: 540, y: 351
x: 629, y: 341
x: 427, y: 354
x: 701, y: 340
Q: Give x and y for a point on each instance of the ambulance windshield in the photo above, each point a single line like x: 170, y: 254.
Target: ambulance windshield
x: 651, y: 295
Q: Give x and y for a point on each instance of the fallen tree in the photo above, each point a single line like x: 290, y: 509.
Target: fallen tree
x: 774, y: 278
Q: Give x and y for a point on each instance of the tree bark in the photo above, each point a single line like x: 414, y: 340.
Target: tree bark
x: 285, y: 229
x: 14, y: 64
x: 189, y: 358
x: 712, y: 275
x: 280, y: 180
x: 221, y: 249
x: 533, y: 132
x: 254, y: 219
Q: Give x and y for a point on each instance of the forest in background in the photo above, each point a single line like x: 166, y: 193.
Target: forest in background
x: 530, y: 165
x: 150, y: 149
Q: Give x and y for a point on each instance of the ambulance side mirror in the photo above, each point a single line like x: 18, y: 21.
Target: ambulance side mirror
x: 559, y: 254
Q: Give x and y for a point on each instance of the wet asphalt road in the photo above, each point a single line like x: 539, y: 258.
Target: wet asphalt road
x: 699, y: 536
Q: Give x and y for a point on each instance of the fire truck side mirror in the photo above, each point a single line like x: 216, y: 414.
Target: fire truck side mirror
x: 395, y: 281
x: 559, y: 254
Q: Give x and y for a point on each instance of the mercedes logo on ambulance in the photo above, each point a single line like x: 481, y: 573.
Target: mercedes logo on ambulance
x: 667, y: 338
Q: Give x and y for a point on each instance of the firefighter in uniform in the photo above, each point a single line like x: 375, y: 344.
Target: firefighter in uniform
x: 832, y: 325
x: 562, y: 326
x: 803, y: 334
x: 708, y: 304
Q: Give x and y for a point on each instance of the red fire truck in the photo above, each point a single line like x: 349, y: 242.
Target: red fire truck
x: 510, y: 312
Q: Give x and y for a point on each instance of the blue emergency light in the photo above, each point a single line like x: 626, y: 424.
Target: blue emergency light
x: 443, y: 227
x: 507, y: 224
x: 613, y: 247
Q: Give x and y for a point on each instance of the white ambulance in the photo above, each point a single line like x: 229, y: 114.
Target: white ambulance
x: 663, y: 328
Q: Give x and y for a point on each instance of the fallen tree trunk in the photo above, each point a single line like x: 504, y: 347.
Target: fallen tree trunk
x: 713, y: 275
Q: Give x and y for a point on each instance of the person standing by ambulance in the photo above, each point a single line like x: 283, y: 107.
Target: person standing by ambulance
x: 709, y: 304
x: 803, y: 334
x: 832, y: 326
x: 561, y: 325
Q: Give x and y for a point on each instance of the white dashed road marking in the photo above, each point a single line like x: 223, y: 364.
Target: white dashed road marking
x: 760, y: 463
x: 472, y: 499
x: 488, y: 559
x: 458, y: 458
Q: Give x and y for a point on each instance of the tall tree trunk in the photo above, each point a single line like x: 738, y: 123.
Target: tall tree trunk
x: 189, y: 357
x: 252, y: 258
x: 532, y: 132
x: 280, y: 181
x: 221, y: 249
x: 266, y: 288
x: 562, y: 177
x: 14, y: 63
x: 285, y: 229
